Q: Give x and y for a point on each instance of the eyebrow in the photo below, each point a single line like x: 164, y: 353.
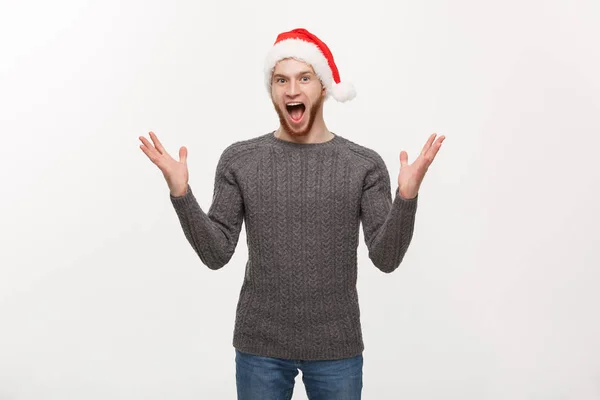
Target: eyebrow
x: 299, y: 73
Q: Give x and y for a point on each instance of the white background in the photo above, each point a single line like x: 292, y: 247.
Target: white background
x: 101, y: 296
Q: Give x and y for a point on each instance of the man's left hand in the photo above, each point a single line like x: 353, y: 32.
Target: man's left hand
x: 411, y: 176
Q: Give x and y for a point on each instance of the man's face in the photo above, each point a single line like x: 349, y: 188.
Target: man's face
x: 297, y: 94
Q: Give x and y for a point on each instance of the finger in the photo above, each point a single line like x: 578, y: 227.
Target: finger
x: 403, y: 158
x: 435, y: 148
x: 152, y: 155
x: 183, y: 154
x: 149, y: 148
x: 157, y: 143
x: 428, y: 144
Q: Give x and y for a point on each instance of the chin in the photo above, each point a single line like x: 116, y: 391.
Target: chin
x: 306, y: 121
x: 297, y: 131
x: 292, y: 128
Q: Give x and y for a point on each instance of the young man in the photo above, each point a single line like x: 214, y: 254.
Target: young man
x: 302, y: 192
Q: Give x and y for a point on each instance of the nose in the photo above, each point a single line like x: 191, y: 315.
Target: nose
x: 292, y: 89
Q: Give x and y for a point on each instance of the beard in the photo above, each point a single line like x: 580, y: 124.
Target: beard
x: 312, y: 114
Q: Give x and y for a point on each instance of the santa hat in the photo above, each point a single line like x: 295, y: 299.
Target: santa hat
x: 302, y: 45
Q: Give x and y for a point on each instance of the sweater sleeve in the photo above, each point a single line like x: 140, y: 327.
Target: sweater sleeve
x: 388, y: 223
x: 213, y: 235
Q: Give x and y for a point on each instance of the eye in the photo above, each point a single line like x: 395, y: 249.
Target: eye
x: 305, y: 79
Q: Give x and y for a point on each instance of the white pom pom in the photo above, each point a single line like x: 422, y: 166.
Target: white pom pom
x: 343, y: 91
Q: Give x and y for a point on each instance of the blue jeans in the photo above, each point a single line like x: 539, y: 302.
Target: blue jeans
x: 267, y: 378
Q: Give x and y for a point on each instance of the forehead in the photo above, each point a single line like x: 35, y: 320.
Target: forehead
x: 291, y: 66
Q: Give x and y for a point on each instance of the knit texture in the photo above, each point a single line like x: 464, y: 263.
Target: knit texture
x: 302, y: 205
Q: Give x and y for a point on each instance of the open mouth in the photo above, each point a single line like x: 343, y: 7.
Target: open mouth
x: 295, y: 111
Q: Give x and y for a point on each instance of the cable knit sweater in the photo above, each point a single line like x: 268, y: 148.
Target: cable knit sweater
x: 302, y: 205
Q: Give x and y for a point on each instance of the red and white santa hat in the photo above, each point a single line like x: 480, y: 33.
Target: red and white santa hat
x: 302, y: 45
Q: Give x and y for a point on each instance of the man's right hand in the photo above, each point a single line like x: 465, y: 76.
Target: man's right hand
x: 175, y: 172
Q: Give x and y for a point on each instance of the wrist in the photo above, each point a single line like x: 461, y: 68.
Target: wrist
x: 407, y: 195
x: 179, y: 192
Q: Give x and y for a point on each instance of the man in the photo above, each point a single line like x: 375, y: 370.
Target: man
x: 302, y: 192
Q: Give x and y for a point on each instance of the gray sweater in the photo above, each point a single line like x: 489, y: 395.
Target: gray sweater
x: 302, y: 205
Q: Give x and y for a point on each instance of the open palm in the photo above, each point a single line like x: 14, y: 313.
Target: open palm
x: 411, y: 175
x: 175, y: 172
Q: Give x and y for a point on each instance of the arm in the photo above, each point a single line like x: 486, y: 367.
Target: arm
x: 213, y: 235
x: 388, y: 223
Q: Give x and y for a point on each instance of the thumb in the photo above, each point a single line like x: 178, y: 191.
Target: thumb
x: 183, y: 154
x: 403, y: 158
